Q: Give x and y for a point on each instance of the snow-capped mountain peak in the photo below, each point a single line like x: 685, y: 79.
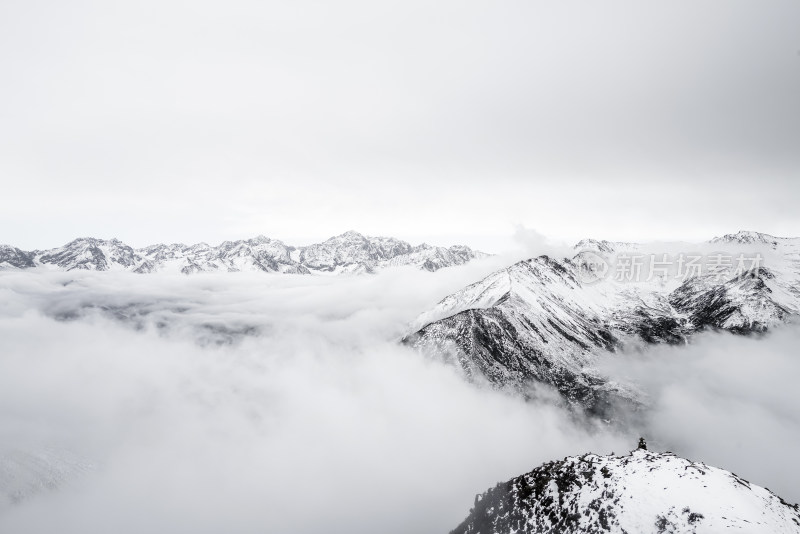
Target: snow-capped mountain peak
x: 746, y: 237
x: 642, y: 492
x: 542, y: 321
x: 604, y: 246
x: 90, y: 254
x: 350, y: 252
x: 12, y: 257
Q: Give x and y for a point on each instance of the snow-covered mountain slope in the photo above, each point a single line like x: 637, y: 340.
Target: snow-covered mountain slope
x: 544, y: 321
x: 353, y: 252
x: 751, y: 238
x: 643, y: 492
x: 12, y: 257
x: 350, y: 252
x: 532, y: 322
x: 257, y: 254
x: 90, y: 254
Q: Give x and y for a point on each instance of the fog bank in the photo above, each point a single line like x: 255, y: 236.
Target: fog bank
x: 727, y: 400
x: 249, y: 403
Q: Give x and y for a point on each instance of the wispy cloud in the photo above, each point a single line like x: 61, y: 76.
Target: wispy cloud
x: 725, y: 399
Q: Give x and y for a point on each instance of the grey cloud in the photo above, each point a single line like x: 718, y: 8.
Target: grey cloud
x: 319, y: 420
x: 727, y: 400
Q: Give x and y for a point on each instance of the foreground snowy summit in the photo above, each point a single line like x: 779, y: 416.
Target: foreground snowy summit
x: 643, y: 492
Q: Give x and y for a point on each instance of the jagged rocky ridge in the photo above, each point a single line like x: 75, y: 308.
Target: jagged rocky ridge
x: 541, y: 321
x: 350, y: 252
x: 642, y: 492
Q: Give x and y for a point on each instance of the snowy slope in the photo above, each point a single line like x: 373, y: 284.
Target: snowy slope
x: 90, y: 254
x: 353, y: 252
x: 543, y: 321
x: 350, y: 252
x: 257, y: 254
x: 12, y: 257
x: 643, y: 492
x: 532, y: 322
x: 749, y: 238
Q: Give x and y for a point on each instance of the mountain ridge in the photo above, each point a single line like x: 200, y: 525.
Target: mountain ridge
x: 542, y: 321
x: 641, y: 492
x: 347, y: 253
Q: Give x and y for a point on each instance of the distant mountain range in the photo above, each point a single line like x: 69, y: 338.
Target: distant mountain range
x: 350, y: 252
x: 547, y: 320
x: 635, y: 493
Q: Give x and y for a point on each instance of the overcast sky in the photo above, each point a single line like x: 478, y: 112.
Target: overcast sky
x: 447, y: 121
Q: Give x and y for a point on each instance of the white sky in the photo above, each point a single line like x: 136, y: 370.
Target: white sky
x: 448, y: 121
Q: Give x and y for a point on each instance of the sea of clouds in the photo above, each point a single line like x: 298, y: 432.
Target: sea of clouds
x: 248, y: 403
x: 728, y: 400
x: 245, y: 402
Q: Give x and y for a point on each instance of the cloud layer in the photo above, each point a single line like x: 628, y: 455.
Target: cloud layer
x: 312, y: 419
x: 728, y: 400
x: 253, y: 403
